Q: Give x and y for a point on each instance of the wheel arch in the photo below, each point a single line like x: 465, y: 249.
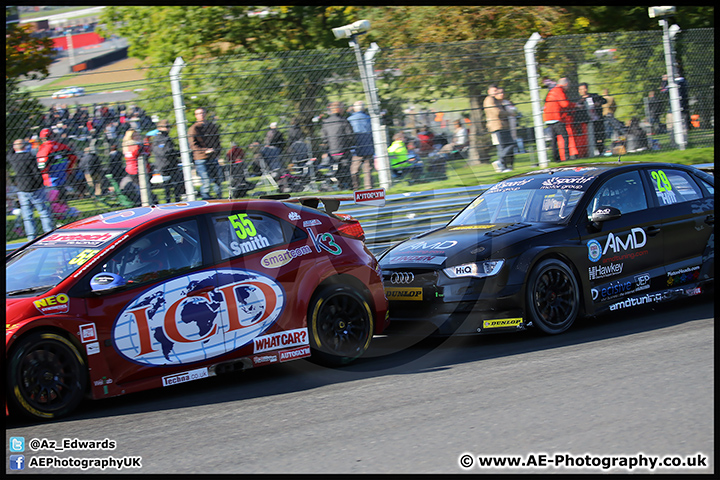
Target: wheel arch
x: 53, y: 329
x: 544, y: 254
x: 346, y: 279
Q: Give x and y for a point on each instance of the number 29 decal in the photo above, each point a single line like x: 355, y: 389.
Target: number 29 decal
x: 664, y: 187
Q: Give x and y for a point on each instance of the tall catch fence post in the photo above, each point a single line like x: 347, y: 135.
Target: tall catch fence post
x: 181, y: 124
x: 676, y: 108
x: 379, y: 133
x: 533, y: 84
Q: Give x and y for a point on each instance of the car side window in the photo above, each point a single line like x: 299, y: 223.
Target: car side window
x: 243, y: 233
x: 710, y: 188
x: 158, y: 254
x: 624, y: 192
x: 673, y: 186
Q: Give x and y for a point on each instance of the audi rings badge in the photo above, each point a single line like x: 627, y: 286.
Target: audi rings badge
x: 402, y: 278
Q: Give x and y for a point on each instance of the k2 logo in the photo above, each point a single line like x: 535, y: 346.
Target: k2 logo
x: 324, y: 241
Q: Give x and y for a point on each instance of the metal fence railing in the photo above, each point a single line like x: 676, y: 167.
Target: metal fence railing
x: 420, y: 87
x: 407, y: 214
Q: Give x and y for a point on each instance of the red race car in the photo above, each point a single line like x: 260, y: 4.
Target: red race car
x: 155, y: 296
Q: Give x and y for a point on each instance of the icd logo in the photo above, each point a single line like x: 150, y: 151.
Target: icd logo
x: 196, y: 317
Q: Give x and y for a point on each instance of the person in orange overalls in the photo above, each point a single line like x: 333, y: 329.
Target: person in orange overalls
x: 557, y: 115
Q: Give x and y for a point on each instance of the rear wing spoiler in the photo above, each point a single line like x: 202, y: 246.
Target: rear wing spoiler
x: 331, y: 203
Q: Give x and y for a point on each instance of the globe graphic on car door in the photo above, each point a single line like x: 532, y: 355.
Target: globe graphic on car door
x: 197, y: 317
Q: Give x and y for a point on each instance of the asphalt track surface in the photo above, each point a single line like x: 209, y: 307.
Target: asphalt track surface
x: 641, y: 382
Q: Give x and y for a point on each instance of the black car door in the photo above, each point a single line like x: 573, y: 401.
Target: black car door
x: 624, y: 255
x: 687, y: 222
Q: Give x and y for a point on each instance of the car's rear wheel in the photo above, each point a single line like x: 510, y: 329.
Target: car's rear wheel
x: 340, y: 323
x: 46, y: 376
x: 553, y: 296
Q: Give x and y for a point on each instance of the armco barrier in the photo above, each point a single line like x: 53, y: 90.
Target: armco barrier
x: 408, y: 214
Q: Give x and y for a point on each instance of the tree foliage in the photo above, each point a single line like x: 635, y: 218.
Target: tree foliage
x: 411, y: 25
x: 628, y: 18
x: 196, y: 32
x: 26, y: 57
x: 227, y: 51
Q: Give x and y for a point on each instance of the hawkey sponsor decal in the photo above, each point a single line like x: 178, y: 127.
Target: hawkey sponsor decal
x: 196, y: 317
x: 602, y: 271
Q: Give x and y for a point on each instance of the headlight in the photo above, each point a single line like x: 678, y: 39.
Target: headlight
x: 487, y: 268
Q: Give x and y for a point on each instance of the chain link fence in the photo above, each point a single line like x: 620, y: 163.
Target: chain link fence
x: 427, y: 93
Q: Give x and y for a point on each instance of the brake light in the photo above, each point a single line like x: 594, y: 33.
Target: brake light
x: 352, y: 229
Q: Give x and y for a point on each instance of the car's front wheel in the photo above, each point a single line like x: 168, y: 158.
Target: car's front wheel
x: 340, y: 323
x: 553, y: 297
x: 46, y: 376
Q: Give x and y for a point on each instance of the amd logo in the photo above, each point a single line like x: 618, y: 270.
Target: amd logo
x: 635, y: 239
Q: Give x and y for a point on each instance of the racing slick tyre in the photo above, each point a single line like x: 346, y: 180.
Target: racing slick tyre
x: 553, y: 297
x: 340, y: 323
x: 46, y: 376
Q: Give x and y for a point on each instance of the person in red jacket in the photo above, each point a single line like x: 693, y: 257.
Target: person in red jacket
x: 558, y: 117
x: 134, y: 149
x: 55, y: 161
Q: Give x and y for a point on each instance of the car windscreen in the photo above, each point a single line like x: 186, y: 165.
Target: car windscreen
x: 522, y: 200
x: 52, y: 259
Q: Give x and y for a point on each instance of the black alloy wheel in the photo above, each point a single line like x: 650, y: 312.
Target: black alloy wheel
x: 341, y: 325
x: 46, y: 376
x: 553, y: 296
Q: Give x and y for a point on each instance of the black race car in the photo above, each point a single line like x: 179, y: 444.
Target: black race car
x: 543, y: 248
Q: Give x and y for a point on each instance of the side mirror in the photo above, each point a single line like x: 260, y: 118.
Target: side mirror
x: 106, y: 281
x: 603, y: 214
